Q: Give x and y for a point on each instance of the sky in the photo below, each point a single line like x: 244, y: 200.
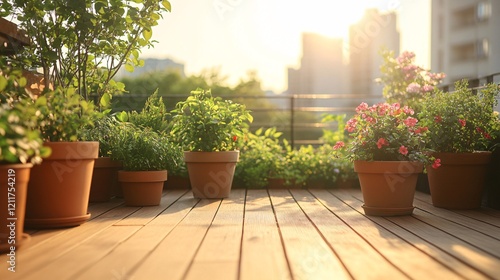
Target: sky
x: 237, y: 36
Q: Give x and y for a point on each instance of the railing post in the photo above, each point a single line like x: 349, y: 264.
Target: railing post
x: 292, y: 120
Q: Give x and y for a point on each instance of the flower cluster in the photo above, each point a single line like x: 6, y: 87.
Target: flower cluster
x: 386, y: 132
x: 404, y: 82
x: 462, y: 120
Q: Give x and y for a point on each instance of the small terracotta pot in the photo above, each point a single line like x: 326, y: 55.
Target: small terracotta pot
x: 211, y: 173
x: 459, y: 182
x: 13, y: 192
x: 104, y: 179
x: 142, y: 188
x: 388, y: 187
x: 58, y: 192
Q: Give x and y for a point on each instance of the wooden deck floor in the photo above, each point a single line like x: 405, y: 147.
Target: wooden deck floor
x: 260, y: 234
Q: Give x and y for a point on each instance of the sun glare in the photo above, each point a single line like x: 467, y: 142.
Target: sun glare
x: 331, y: 20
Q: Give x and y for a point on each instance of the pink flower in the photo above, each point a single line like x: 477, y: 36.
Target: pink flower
x: 410, y: 121
x: 408, y: 110
x: 361, y: 107
x: 403, y: 150
x: 351, y: 125
x: 235, y: 138
x: 382, y: 142
x: 436, y: 164
x: 413, y: 88
x: 438, y: 119
x: 338, y: 145
x: 421, y: 129
x: 427, y: 88
x: 462, y: 122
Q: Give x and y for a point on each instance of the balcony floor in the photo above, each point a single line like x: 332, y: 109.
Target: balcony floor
x: 260, y: 234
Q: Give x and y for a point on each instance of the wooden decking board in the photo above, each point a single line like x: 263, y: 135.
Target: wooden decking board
x: 219, y: 254
x: 429, y: 240
x: 351, y: 248
x: 262, y: 253
x: 265, y: 234
x: 413, y: 262
x: 309, y: 255
x: 120, y: 263
x: 174, y: 254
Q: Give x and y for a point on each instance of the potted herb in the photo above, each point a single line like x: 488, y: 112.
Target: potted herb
x: 388, y: 150
x: 21, y: 147
x: 209, y: 128
x: 105, y: 174
x: 460, y: 126
x: 146, y: 156
x: 60, y: 186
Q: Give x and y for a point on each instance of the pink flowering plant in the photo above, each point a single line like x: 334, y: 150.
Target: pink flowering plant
x: 386, y: 132
x: 405, y: 82
x: 462, y: 120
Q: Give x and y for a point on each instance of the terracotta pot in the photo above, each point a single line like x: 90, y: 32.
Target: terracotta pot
x: 13, y: 192
x: 142, y: 188
x: 493, y: 181
x: 458, y: 183
x: 388, y: 187
x: 104, y: 179
x: 211, y: 173
x: 59, y: 188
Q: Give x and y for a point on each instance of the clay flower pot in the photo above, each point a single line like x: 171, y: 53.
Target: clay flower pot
x: 211, y: 173
x: 13, y: 192
x: 104, y: 179
x: 459, y: 182
x: 388, y: 187
x: 59, y: 188
x: 142, y: 188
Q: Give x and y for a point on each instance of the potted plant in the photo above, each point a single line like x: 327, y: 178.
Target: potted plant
x: 21, y: 147
x: 209, y: 128
x: 146, y: 156
x: 59, y: 190
x: 460, y: 127
x: 388, y: 150
x: 105, y: 174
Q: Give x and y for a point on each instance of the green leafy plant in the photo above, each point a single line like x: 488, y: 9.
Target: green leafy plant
x: 82, y: 44
x: 103, y: 131
x: 258, y: 157
x: 64, y: 114
x: 405, y: 82
x: 20, y: 140
x: 142, y: 149
x: 153, y: 114
x: 386, y: 132
x: 206, y: 123
x: 460, y: 121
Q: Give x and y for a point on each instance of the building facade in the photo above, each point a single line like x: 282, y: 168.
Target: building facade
x: 465, y: 38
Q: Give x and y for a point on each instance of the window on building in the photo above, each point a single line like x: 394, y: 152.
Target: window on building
x: 483, y: 11
x: 482, y: 48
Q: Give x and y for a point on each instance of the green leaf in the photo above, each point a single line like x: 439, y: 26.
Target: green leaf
x: 147, y: 34
x: 129, y: 68
x: 166, y: 5
x: 3, y: 83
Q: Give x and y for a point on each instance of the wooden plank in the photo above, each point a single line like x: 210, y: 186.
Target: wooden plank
x: 33, y: 259
x: 473, y: 224
x: 428, y: 239
x: 219, y: 255
x: 173, y: 255
x: 84, y: 255
x: 410, y: 260
x: 309, y: 256
x: 146, y: 214
x: 351, y: 248
x: 120, y: 263
x: 262, y: 253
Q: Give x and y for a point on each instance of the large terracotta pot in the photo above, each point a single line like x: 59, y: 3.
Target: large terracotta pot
x: 13, y: 191
x: 142, y: 188
x: 388, y: 187
x: 211, y: 173
x: 104, y: 179
x: 59, y: 188
x: 458, y: 183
